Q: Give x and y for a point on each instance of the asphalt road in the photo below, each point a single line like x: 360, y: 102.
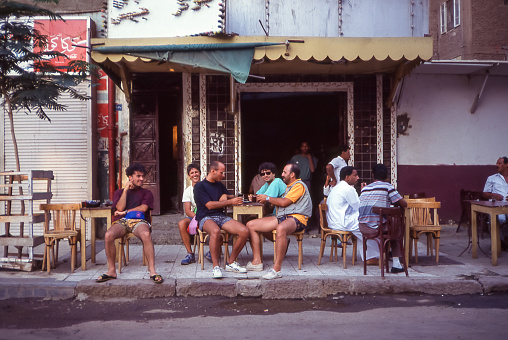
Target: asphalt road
x: 361, y: 317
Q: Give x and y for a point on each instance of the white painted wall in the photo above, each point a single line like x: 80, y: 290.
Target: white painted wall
x: 443, y: 129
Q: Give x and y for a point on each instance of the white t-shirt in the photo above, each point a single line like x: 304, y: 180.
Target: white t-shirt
x: 188, y: 196
x: 338, y: 163
x: 496, y: 184
x: 343, y: 203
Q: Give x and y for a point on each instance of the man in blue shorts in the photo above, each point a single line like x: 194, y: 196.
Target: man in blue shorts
x: 293, y: 211
x: 211, y: 198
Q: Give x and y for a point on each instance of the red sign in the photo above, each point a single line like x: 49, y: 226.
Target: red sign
x: 63, y: 36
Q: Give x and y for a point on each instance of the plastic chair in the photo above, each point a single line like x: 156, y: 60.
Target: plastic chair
x: 391, y: 228
x: 343, y: 236
x: 424, y: 219
x: 63, y: 227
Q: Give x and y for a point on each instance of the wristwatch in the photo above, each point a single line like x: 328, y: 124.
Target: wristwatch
x: 268, y: 198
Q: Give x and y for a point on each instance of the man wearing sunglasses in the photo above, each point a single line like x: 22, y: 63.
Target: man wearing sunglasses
x: 273, y: 187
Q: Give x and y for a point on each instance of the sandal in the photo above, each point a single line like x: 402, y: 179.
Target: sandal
x: 157, y: 278
x: 105, y: 277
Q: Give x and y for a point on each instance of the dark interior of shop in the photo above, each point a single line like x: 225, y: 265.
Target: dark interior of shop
x: 275, y: 124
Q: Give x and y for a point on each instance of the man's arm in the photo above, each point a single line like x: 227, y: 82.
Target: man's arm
x: 277, y: 201
x: 489, y: 195
x: 400, y: 203
x: 312, y: 167
x: 329, y: 172
x: 224, y: 201
x: 187, y: 209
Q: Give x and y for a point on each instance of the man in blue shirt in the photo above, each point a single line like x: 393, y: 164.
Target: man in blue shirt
x: 211, y: 198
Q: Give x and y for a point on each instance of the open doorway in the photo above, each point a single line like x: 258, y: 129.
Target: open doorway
x: 275, y: 123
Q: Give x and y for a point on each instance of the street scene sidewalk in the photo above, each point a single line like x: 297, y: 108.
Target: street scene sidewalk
x: 453, y: 274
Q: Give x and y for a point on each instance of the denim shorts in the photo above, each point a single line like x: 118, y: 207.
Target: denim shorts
x: 299, y: 225
x: 220, y: 220
x: 129, y: 225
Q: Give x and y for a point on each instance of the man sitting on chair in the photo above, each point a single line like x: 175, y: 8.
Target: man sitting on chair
x: 211, y: 198
x: 343, y: 203
x: 293, y: 211
x: 132, y: 206
x: 379, y: 194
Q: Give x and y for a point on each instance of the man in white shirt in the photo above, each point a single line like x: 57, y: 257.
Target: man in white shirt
x: 496, y: 188
x: 343, y: 203
x: 333, y: 168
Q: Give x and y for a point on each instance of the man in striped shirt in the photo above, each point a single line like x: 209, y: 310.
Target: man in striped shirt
x: 379, y: 194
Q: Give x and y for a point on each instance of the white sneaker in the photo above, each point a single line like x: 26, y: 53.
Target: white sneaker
x: 272, y: 274
x: 235, y: 267
x: 217, y: 272
x: 254, y: 267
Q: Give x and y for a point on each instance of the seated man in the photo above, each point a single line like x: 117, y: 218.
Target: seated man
x: 211, y: 198
x: 343, y: 204
x: 496, y: 188
x: 379, y: 194
x: 131, y: 205
x: 293, y: 211
x: 273, y: 187
x: 189, y: 206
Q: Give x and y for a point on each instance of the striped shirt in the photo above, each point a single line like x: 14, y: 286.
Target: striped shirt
x: 377, y: 194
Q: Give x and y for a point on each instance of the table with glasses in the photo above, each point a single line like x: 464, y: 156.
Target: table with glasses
x: 492, y: 209
x: 92, y: 213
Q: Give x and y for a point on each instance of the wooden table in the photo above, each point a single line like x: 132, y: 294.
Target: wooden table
x: 492, y: 209
x: 92, y: 213
x: 253, y: 208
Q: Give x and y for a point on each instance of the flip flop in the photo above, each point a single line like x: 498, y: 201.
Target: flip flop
x: 157, y: 279
x: 104, y: 278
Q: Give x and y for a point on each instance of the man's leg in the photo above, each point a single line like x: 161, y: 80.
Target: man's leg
x: 215, y: 241
x: 285, y: 228
x: 116, y: 231
x: 236, y: 228
x: 265, y: 224
x: 143, y: 233
x: 184, y: 234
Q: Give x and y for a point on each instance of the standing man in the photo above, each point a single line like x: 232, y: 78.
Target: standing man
x: 306, y: 162
x: 496, y: 188
x: 132, y: 206
x: 293, y: 211
x: 333, y: 168
x: 379, y: 194
x: 211, y: 198
x: 343, y: 204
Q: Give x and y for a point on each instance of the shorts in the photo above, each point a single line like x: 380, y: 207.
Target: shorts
x: 129, y: 225
x: 220, y: 220
x: 299, y: 225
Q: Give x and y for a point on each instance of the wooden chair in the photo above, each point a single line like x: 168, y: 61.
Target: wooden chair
x: 63, y: 227
x: 343, y: 236
x: 299, y: 239
x: 390, y: 228
x: 424, y: 219
x: 203, y: 236
x: 122, y: 249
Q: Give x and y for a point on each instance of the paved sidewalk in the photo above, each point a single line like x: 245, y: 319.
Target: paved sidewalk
x: 453, y: 275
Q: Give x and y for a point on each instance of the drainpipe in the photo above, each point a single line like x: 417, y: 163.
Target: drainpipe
x: 111, y: 137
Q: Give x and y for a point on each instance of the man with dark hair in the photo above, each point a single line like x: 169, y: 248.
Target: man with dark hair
x: 211, y: 198
x: 379, y: 194
x: 293, y: 211
x: 132, y: 206
x: 273, y: 187
x: 189, y: 206
x: 343, y: 204
x: 333, y: 168
x: 306, y: 162
x: 496, y: 188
